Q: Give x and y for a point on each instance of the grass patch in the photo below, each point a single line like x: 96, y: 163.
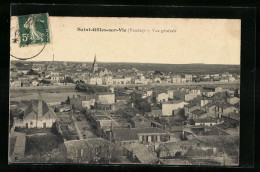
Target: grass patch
x: 12, y: 144
x: 42, y: 144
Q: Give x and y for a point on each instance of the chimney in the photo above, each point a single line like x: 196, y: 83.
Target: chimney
x: 40, y: 105
x: 111, y: 126
x: 110, y: 136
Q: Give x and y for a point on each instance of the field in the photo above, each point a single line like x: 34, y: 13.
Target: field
x: 175, y: 68
x: 42, y: 146
x: 49, y: 95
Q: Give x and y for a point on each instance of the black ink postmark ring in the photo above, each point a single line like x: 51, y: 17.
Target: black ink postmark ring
x: 32, y: 30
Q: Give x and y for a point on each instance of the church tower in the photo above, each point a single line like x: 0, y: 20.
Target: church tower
x: 95, y: 66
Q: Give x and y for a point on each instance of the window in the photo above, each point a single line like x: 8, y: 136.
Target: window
x: 31, y: 123
x: 96, y: 150
x: 81, y: 152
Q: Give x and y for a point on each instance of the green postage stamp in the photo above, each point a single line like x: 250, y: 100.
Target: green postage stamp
x: 34, y: 29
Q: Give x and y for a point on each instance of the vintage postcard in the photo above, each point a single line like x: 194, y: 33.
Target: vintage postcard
x: 118, y: 90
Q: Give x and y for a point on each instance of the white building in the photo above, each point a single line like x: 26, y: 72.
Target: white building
x: 233, y: 100
x: 118, y: 80
x: 162, y: 97
x: 35, y: 83
x: 149, y: 93
x: 176, y: 79
x: 88, y: 103
x: 190, y: 96
x: 169, y: 107
x: 231, y: 79
x: 197, y: 91
x: 95, y: 80
x: 57, y: 78
x: 108, y: 80
x: 170, y: 93
x: 37, y: 114
x: 157, y: 80
x: 105, y: 98
x: 188, y: 78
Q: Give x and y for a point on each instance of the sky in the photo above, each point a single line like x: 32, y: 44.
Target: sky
x: 209, y: 41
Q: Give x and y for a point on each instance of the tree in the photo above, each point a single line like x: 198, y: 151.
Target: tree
x: 142, y: 105
x: 163, y: 121
x: 158, y: 72
x: 110, y: 153
x: 73, y: 108
x: 32, y: 72
x: 19, y: 64
x: 178, y: 154
x: 68, y: 80
x: 68, y: 100
x: 45, y: 82
x: 224, y: 156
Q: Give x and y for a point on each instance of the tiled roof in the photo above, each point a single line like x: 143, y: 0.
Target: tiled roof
x: 104, y: 93
x: 177, y: 145
x: 125, y: 134
x: 224, y: 105
x: 210, y: 104
x: 139, y: 119
x: 198, y: 112
x: 34, y: 107
x: 142, y: 153
x: 235, y: 116
x: 122, y: 97
x: 86, y: 143
x: 176, y: 128
x: 155, y: 108
x: 202, y: 120
x: 175, y: 162
x: 190, y: 105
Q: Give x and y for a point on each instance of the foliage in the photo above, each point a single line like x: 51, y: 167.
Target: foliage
x: 163, y: 121
x: 41, y: 144
x: 220, y: 97
x: 199, y: 152
x: 143, y: 106
x: 226, y: 144
x: 19, y: 64
x: 177, y: 154
x: 68, y: 100
x: 192, y: 122
x: 158, y: 72
x: 45, y: 82
x: 68, y: 80
x: 33, y: 72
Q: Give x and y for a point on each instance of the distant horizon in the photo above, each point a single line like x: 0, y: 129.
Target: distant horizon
x: 25, y: 61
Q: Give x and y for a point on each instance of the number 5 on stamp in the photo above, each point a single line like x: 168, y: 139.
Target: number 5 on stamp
x: 34, y: 29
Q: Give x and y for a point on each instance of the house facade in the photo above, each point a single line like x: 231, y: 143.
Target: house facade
x: 162, y: 97
x: 190, y: 96
x: 168, y: 108
x: 105, y: 98
x: 87, y: 150
x: 189, y: 108
x: 37, y: 114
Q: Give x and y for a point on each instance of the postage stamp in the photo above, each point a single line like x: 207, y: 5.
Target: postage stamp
x: 34, y: 29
